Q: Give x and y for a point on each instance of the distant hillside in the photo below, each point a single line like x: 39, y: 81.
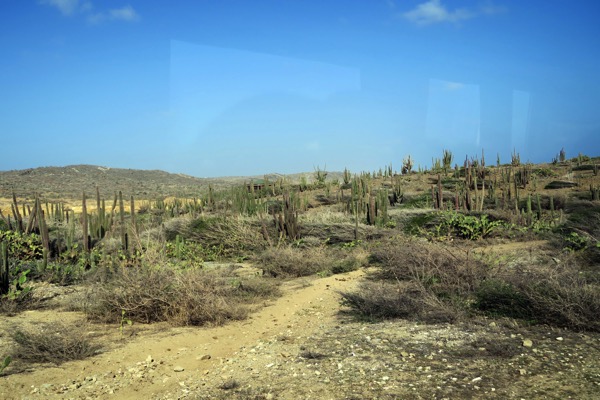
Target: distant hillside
x: 72, y: 180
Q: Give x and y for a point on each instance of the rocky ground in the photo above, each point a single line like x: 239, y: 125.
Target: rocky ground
x: 304, y: 346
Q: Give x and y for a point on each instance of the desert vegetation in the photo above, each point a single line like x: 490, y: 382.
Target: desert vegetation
x: 216, y: 253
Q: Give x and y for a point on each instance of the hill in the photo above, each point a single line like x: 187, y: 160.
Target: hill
x: 70, y: 181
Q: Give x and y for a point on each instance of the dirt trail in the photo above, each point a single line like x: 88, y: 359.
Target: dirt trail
x: 161, y: 364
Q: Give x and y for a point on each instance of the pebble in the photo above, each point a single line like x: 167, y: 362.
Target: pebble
x: 178, y: 369
x: 527, y: 343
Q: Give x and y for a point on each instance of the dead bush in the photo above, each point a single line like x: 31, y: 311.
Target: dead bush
x: 188, y: 297
x: 398, y: 300
x: 446, y: 272
x: 21, y: 301
x: 293, y: 262
x: 237, y: 236
x: 554, y: 295
x: 55, y: 342
x: 562, y: 298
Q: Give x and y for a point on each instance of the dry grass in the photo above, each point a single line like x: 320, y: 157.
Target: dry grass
x: 55, y: 342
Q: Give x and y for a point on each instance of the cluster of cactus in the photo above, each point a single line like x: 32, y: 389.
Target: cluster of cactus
x: 287, y: 220
x: 247, y: 202
x: 447, y: 158
x: 377, y: 211
x: 365, y: 203
x: 515, y: 159
x: 407, y: 165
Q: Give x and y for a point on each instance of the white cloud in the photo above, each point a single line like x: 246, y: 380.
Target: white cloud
x: 433, y: 12
x: 126, y: 13
x: 71, y: 7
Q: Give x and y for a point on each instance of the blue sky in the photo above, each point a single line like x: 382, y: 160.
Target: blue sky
x: 237, y: 87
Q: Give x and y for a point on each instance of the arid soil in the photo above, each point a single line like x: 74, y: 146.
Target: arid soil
x: 304, y: 346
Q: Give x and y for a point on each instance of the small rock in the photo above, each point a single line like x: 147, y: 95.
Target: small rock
x: 523, y: 371
x: 476, y: 379
x: 404, y: 354
x: 178, y: 369
x: 205, y: 357
x: 560, y: 339
x: 492, y: 325
x: 149, y: 359
x: 527, y: 343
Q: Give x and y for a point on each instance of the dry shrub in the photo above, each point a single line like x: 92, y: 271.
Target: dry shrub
x: 398, y: 300
x: 296, y: 262
x: 204, y: 298
x: 556, y: 295
x: 335, y: 233
x: 188, y: 297
x: 55, y: 342
x: 561, y: 296
x: 25, y: 300
x: 235, y: 235
x: 440, y: 269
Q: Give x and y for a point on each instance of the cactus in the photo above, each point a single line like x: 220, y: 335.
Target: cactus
x: 515, y: 159
x: 407, y: 165
x: 4, y: 281
x: 84, y: 224
x: 43, y: 227
x: 447, y: 160
x: 122, y: 222
x: 17, y: 214
x: 133, y: 221
x: 347, y: 176
x: 595, y: 191
x: 287, y: 222
x: 562, y: 156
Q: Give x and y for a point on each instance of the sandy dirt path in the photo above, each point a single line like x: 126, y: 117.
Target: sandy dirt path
x: 160, y: 364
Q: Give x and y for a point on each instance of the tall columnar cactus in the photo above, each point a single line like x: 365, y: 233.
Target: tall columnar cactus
x: 133, y: 221
x: 43, y: 227
x: 595, y: 191
x: 4, y: 280
x: 84, y: 224
x: 122, y: 222
x: 17, y: 214
x: 447, y: 158
x: 287, y: 222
